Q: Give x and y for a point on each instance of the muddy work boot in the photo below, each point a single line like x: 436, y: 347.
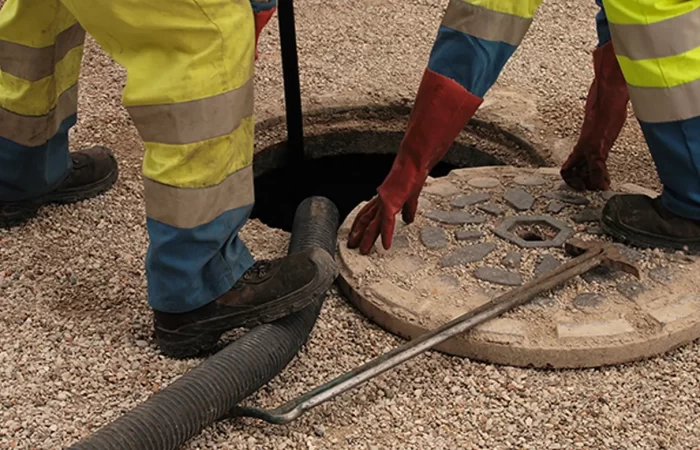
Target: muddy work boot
x: 644, y: 222
x: 93, y: 172
x: 268, y: 291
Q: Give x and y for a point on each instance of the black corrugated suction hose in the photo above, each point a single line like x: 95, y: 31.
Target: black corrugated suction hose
x: 209, y: 391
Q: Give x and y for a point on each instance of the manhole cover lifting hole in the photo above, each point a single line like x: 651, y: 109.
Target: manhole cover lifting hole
x: 534, y: 231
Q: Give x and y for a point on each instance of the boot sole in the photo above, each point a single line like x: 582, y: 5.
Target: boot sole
x: 176, y: 345
x: 647, y: 242
x: 29, y: 210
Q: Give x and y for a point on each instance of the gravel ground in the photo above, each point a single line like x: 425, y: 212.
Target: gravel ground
x: 76, y: 348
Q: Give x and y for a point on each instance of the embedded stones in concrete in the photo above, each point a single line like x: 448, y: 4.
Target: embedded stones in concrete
x: 543, y: 302
x: 631, y: 289
x: 471, y: 199
x: 504, y: 231
x: 468, y: 235
x: 547, y: 264
x: 529, y: 180
x: 596, y: 329
x: 455, y: 217
x: 512, y: 260
x: 491, y: 209
x: 588, y: 300
x: 519, y: 199
x: 441, y: 188
x: 588, y: 215
x: 467, y: 255
x: 484, y: 182
x: 568, y: 197
x: 434, y: 238
x: 498, y: 276
x: 600, y: 274
x: 629, y: 253
x: 555, y: 207
x: 661, y: 275
x: 677, y: 310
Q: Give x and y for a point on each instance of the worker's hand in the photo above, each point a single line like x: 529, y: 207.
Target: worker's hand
x: 262, y: 11
x: 378, y: 216
x: 441, y: 110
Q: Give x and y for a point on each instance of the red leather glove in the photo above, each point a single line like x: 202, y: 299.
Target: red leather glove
x: 606, y: 113
x: 261, y: 19
x: 441, y: 110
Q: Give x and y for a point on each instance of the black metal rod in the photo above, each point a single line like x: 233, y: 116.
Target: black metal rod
x: 290, y: 73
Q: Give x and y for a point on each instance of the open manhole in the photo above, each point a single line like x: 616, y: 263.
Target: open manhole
x: 349, y: 153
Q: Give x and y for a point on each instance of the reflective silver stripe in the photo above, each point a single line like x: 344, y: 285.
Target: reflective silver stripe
x: 33, y: 64
x: 32, y: 131
x: 195, y: 121
x: 189, y: 207
x: 658, y: 40
x: 656, y: 105
x: 484, y: 23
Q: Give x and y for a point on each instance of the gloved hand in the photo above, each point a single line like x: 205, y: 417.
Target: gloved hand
x: 441, y: 110
x: 606, y: 112
x: 262, y: 11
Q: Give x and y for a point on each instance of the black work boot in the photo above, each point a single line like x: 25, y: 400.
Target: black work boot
x: 644, y: 222
x: 94, y: 171
x: 268, y: 291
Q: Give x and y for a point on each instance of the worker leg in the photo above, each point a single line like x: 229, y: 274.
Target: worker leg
x: 658, y: 48
x: 605, y: 115
x: 41, y: 47
x: 189, y: 92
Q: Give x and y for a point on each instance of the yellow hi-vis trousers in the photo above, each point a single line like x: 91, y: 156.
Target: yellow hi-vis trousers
x: 657, y: 43
x: 189, y: 91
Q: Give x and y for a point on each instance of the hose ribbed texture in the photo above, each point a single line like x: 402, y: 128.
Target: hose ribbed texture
x: 209, y: 391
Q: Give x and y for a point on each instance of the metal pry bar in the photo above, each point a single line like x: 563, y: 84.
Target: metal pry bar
x: 590, y: 256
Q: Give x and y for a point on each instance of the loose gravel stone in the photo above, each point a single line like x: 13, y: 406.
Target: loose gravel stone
x: 555, y: 207
x: 468, y: 235
x: 588, y: 300
x: 588, y: 215
x: 455, y: 217
x: 483, y: 182
x: 519, y: 199
x: 471, y: 199
x: 529, y: 180
x: 498, y: 276
x: 568, y: 197
x: 467, y: 255
x: 631, y: 289
x: 547, y: 264
x: 491, y: 209
x: 512, y: 260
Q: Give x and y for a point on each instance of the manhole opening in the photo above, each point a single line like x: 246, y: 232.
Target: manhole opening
x: 535, y: 232
x: 349, y: 153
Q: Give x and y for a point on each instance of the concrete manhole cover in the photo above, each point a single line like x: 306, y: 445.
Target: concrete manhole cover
x: 481, y: 231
